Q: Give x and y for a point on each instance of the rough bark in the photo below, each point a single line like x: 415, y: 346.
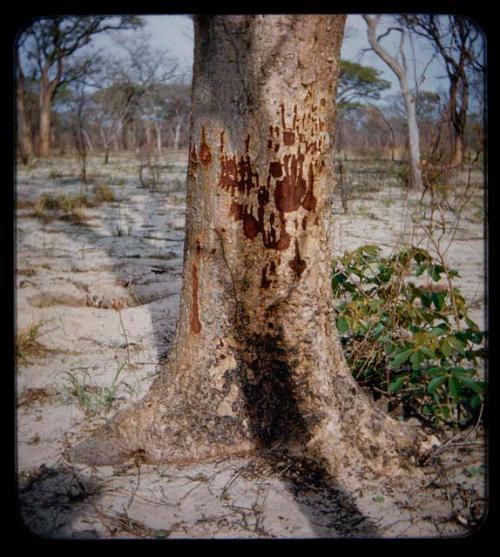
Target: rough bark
x: 45, y: 107
x: 458, y: 114
x: 256, y: 360
x: 24, y: 143
x: 409, y: 98
x: 48, y: 88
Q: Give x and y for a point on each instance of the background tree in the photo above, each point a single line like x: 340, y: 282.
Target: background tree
x: 455, y: 39
x: 49, y: 45
x: 24, y: 142
x: 256, y: 361
x: 357, y: 82
x: 400, y: 69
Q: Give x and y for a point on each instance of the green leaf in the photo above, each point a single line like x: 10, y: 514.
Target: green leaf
x: 437, y: 331
x: 476, y: 386
x: 401, y: 357
x: 461, y: 372
x: 427, y: 351
x: 471, y: 324
x: 426, y: 298
x: 454, y: 387
x: 435, y: 383
x: 475, y: 401
x: 397, y: 383
x: 445, y: 348
x: 435, y: 371
x: 416, y: 359
x: 435, y: 271
x: 438, y: 300
x: 378, y: 329
x: 342, y: 324
x: 457, y: 344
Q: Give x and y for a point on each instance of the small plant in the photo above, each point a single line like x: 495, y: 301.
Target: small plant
x: 92, y: 399
x: 27, y: 344
x: 406, y: 333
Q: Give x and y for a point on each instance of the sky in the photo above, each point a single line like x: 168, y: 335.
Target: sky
x: 175, y: 34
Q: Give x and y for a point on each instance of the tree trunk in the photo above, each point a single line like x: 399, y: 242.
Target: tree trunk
x: 256, y: 359
x: 45, y: 107
x: 413, y: 141
x: 158, y: 137
x: 411, y: 113
x: 177, y: 136
x: 24, y: 144
x: 459, y: 121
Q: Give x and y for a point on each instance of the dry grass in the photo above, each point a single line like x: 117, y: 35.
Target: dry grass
x: 27, y: 344
x: 49, y: 207
x: 103, y: 194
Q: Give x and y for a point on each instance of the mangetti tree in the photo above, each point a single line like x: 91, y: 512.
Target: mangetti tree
x: 256, y: 361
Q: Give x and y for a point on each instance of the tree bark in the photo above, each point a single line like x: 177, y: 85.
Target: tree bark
x: 45, y: 107
x: 24, y: 143
x: 459, y: 118
x: 256, y: 359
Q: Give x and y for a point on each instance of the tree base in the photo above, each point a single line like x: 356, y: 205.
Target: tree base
x: 362, y: 444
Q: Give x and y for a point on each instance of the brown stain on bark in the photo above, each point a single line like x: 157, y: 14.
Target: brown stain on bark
x: 282, y: 110
x: 275, y: 169
x: 290, y: 191
x: 262, y: 208
x: 297, y: 264
x: 309, y: 203
x: 288, y: 138
x: 264, y: 282
x: 237, y: 175
x: 195, y: 321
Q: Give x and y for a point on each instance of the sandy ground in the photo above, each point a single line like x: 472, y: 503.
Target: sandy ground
x: 92, y: 359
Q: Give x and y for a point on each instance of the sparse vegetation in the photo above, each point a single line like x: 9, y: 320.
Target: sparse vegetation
x: 70, y: 207
x: 92, y: 399
x: 103, y: 194
x: 27, y: 343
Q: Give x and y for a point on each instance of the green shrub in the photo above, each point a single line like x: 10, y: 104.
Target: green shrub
x: 406, y: 333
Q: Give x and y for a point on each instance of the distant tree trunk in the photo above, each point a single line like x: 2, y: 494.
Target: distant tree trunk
x: 177, y: 136
x: 126, y: 135
x: 24, y: 143
x: 409, y: 98
x: 45, y: 108
x: 256, y: 359
x: 88, y: 140
x: 459, y: 119
x: 158, y: 137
